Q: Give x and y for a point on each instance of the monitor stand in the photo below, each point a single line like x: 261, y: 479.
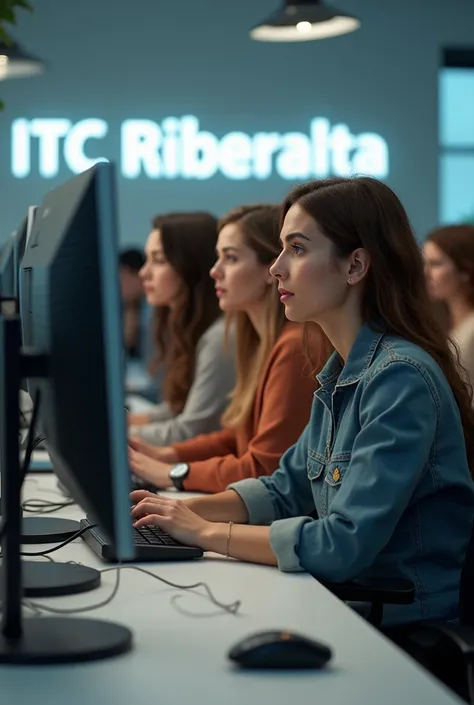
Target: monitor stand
x: 46, y: 579
x: 48, y: 529
x: 36, y: 640
x: 39, y: 529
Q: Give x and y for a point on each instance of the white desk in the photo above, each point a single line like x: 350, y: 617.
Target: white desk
x: 39, y: 460
x: 137, y: 378
x: 179, y: 659
x: 138, y: 405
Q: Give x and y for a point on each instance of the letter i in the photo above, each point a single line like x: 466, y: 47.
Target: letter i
x: 171, y: 148
x: 21, y: 148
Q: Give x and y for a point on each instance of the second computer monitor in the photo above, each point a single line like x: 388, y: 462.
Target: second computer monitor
x: 7, y: 268
x: 20, y: 239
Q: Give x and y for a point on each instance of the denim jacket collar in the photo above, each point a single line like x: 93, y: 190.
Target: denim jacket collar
x: 360, y: 358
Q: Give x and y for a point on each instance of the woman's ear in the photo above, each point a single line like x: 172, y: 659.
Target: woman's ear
x: 359, y: 265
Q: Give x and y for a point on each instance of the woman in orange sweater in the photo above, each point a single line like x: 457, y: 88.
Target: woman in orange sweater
x: 271, y: 402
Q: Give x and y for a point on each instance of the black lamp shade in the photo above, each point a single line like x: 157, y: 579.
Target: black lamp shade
x: 304, y: 20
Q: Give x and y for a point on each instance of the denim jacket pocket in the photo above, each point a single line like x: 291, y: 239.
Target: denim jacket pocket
x: 314, y: 468
x: 332, y: 481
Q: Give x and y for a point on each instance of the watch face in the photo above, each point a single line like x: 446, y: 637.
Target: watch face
x: 179, y: 470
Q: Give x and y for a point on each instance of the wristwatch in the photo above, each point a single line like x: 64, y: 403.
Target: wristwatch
x: 178, y: 474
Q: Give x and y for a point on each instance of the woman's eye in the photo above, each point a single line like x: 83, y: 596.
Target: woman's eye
x: 297, y: 250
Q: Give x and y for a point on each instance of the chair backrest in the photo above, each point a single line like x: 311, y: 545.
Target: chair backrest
x: 466, y: 596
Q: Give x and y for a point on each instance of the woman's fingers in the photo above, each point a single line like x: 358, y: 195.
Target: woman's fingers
x: 140, y: 446
x: 132, y: 455
x: 137, y: 495
x: 153, y: 520
x: 137, y: 463
x: 150, y: 506
x: 134, y: 466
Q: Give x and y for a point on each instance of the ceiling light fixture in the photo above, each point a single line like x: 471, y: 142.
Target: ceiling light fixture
x: 16, y: 63
x: 303, y: 21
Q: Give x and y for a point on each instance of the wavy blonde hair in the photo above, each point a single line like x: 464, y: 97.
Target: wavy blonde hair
x: 259, y: 225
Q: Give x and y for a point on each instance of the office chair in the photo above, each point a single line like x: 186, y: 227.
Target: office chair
x: 445, y: 650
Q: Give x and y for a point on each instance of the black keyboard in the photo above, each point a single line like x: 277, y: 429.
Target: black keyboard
x: 151, y: 544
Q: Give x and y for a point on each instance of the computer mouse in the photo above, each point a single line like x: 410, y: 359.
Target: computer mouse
x: 279, y: 649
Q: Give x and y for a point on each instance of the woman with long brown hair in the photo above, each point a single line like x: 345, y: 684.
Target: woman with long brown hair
x: 385, y: 457
x: 449, y: 266
x: 271, y: 401
x: 199, y: 370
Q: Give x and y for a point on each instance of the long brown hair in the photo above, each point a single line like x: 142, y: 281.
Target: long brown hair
x: 259, y: 225
x: 189, y: 242
x: 457, y: 242
x: 364, y: 212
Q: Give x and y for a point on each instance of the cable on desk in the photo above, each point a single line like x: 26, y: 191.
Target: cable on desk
x: 44, y: 506
x: 230, y: 608
x: 48, y: 558
x: 28, y: 452
x: 38, y: 441
x: 78, y: 610
x: 61, y: 545
x: 46, y: 552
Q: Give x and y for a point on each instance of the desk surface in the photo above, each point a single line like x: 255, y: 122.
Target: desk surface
x: 179, y: 658
x: 139, y: 405
x: 137, y: 377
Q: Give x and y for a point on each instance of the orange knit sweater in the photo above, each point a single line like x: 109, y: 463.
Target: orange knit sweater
x: 280, y: 413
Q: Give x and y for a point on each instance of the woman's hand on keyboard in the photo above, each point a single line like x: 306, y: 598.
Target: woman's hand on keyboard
x: 150, y: 470
x: 171, y: 515
x: 165, y: 454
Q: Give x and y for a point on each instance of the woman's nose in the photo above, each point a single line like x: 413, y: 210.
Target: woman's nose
x: 276, y: 269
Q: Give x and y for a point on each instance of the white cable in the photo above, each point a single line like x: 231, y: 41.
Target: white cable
x: 231, y: 608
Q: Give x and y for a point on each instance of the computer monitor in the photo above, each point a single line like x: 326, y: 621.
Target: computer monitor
x: 70, y: 293
x: 7, y: 269
x: 20, y: 239
x: 11, y: 256
x: 19, y: 242
x: 32, y: 211
x: 70, y: 289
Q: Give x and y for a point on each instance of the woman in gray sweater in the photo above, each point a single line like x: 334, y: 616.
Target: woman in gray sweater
x: 190, y: 331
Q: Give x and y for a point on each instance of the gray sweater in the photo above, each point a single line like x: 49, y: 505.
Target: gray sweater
x: 214, y: 379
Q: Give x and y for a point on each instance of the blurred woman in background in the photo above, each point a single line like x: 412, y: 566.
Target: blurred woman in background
x: 449, y: 265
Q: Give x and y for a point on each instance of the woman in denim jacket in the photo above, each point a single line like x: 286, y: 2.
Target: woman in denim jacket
x: 385, y: 457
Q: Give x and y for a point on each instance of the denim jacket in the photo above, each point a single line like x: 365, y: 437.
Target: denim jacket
x: 383, y: 461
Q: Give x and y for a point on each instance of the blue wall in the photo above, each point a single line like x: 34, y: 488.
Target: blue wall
x: 151, y: 59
